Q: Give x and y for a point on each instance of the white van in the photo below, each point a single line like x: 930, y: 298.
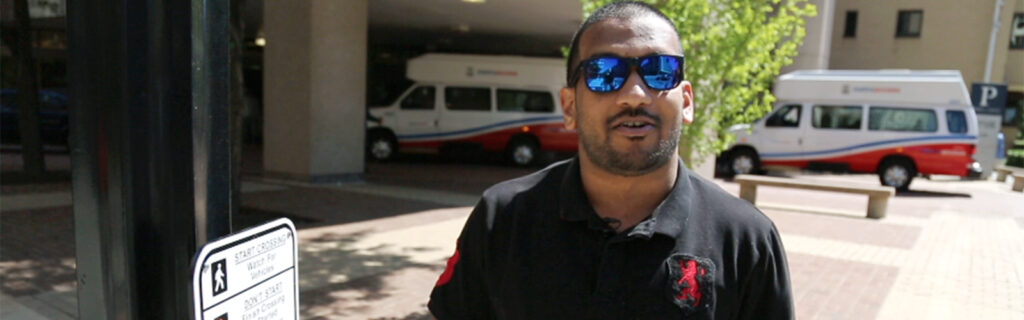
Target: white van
x: 896, y: 123
x: 497, y: 103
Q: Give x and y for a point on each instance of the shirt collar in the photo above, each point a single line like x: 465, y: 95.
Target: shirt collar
x: 668, y: 218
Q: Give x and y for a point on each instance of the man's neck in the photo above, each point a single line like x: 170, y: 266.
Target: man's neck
x: 624, y: 201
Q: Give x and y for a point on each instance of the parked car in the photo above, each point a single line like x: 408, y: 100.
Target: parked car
x: 53, y: 116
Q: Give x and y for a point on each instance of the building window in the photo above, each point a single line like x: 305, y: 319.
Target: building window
x: 1013, y: 114
x: 1017, y: 31
x: 908, y: 23
x: 850, y: 31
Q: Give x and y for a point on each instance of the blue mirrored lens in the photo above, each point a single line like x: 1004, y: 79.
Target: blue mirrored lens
x: 660, y: 72
x: 606, y: 74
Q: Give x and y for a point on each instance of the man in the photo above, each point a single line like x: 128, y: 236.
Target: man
x: 623, y: 231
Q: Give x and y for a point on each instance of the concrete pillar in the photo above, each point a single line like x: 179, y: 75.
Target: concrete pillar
x: 314, y: 89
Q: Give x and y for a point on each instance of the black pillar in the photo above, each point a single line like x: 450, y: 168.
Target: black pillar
x: 150, y: 150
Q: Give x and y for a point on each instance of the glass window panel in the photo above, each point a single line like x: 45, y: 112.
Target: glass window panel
x: 421, y: 98
x: 909, y: 22
x: 956, y: 121
x: 467, y: 99
x: 836, y: 117
x: 902, y: 119
x: 785, y: 116
x: 850, y: 29
x: 525, y: 101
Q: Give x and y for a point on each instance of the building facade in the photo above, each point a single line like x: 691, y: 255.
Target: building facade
x: 934, y: 34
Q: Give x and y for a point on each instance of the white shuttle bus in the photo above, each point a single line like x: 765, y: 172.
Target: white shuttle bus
x: 896, y: 123
x: 504, y: 104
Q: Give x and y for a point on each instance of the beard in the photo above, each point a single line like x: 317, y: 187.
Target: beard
x: 636, y: 160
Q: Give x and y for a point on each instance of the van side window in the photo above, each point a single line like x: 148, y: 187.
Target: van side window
x: 525, y: 101
x: 785, y: 116
x: 836, y: 117
x: 902, y: 119
x: 421, y: 98
x: 469, y: 99
x: 956, y: 121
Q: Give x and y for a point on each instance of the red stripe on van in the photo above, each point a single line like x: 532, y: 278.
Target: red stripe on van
x: 951, y: 159
x: 553, y: 137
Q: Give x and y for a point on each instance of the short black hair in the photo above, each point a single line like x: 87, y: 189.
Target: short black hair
x: 614, y: 10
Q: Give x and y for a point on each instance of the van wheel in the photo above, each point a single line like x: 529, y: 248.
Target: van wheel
x: 381, y: 146
x: 743, y: 161
x: 522, y: 152
x: 896, y: 173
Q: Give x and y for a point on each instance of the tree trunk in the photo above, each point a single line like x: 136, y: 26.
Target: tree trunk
x: 28, y: 94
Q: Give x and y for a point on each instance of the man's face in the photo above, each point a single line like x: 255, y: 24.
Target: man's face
x: 636, y: 129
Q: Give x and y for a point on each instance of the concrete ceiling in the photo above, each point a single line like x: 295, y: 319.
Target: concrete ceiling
x: 525, y: 27
x: 525, y: 17
x: 494, y: 26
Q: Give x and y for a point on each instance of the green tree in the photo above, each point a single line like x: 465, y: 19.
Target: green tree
x: 734, y: 50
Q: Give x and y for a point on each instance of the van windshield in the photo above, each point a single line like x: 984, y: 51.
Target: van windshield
x: 785, y: 116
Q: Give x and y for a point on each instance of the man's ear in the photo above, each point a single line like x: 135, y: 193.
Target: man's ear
x: 689, y: 103
x: 568, y: 97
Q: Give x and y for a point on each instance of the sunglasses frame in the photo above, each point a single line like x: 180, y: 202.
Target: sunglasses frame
x: 634, y: 65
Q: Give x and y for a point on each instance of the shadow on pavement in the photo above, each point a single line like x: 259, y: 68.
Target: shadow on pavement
x: 37, y: 251
x: 931, y: 194
x: 343, y: 276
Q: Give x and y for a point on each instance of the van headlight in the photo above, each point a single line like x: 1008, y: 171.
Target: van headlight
x: 974, y: 170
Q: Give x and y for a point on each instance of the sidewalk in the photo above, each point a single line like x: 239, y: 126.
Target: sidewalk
x: 946, y: 250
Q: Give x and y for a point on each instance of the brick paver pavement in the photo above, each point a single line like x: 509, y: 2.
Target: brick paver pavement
x: 947, y: 250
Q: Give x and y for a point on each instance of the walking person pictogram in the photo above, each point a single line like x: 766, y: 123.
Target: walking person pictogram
x: 220, y: 275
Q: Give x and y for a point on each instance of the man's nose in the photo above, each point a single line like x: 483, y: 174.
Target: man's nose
x: 634, y: 93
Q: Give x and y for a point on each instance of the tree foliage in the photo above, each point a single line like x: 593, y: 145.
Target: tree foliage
x: 734, y: 50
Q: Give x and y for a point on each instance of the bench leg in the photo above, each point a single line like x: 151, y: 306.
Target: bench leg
x: 877, y: 206
x: 748, y: 192
x: 1001, y: 176
x: 1018, y: 184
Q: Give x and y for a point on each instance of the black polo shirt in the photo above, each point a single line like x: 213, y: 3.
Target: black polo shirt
x: 533, y: 248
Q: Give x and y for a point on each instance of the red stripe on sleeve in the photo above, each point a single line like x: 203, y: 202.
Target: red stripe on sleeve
x: 447, y: 275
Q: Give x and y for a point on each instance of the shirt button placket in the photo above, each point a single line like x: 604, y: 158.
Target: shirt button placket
x: 609, y: 277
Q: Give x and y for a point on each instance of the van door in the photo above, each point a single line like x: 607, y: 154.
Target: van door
x: 779, y: 136
x: 417, y: 116
x: 836, y: 135
x: 467, y: 114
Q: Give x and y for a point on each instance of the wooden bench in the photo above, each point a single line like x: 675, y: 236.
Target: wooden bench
x: 1018, y: 182
x: 878, y: 196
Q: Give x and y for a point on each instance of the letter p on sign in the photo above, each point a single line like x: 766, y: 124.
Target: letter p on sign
x: 988, y: 97
x: 988, y: 93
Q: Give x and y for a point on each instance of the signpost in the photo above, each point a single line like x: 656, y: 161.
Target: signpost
x: 989, y: 101
x: 249, y: 275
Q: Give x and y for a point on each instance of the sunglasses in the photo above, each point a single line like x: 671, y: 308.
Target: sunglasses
x: 609, y: 73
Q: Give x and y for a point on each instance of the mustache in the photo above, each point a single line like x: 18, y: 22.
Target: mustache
x: 633, y: 113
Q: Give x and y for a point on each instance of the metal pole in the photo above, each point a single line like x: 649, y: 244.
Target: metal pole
x: 211, y: 129
x: 149, y: 156
x: 992, y: 41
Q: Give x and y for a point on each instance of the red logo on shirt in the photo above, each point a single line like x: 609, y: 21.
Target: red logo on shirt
x: 688, y: 282
x: 691, y: 281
